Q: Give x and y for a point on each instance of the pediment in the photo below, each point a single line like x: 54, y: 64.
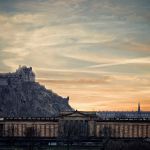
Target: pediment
x: 74, y: 114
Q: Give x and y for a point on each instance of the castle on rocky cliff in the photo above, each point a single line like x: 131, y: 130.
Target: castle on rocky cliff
x: 22, y: 74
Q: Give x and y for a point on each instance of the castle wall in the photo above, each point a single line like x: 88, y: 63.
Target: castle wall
x: 14, y: 81
x: 23, y: 74
x: 3, y: 81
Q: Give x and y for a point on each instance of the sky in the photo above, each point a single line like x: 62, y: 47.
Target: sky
x: 97, y: 52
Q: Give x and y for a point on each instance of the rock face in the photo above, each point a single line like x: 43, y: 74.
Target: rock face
x: 23, y: 97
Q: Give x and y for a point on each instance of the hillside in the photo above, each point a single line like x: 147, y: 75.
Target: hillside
x: 29, y: 99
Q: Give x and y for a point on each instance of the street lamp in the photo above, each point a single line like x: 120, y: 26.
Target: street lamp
x: 49, y: 145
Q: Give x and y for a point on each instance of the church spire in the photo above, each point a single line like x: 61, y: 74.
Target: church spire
x: 139, y: 107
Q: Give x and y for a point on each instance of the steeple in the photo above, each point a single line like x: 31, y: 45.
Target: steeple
x: 139, y: 107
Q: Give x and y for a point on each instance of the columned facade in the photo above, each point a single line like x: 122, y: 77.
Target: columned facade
x: 74, y: 125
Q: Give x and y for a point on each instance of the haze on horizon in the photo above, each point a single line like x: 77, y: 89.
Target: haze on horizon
x: 97, y: 52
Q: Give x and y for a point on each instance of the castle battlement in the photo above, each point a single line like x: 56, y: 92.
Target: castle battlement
x: 22, y: 74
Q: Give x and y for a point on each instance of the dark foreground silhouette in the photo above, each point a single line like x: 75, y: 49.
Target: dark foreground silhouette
x: 109, y: 145
x: 127, y: 145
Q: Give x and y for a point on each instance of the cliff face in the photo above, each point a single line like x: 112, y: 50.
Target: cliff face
x: 30, y: 99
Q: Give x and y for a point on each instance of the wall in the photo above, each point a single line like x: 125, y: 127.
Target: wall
x: 3, y: 81
x: 23, y: 74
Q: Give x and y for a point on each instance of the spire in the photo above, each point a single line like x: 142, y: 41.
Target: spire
x: 139, y: 107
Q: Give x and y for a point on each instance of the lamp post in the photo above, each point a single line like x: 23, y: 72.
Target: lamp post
x: 49, y: 145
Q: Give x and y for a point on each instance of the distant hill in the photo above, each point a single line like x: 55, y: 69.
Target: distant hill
x: 21, y: 96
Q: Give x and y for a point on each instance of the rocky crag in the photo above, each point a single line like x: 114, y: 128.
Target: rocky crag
x: 21, y: 96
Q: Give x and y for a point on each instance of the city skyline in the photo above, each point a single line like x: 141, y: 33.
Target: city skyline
x: 96, y: 52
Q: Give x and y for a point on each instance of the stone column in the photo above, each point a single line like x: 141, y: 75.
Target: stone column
x: 91, y: 126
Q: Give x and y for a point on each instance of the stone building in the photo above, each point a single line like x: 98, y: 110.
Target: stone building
x: 73, y: 126
x: 22, y: 74
x: 124, y: 114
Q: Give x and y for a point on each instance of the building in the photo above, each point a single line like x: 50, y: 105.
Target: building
x: 75, y: 125
x: 22, y: 74
x: 124, y: 114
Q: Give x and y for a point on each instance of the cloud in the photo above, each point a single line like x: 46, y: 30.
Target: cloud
x: 102, y: 80
x: 23, y: 18
x: 96, y: 51
x: 145, y: 60
x: 52, y: 39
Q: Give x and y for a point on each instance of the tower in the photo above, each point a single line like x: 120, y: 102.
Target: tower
x: 139, y: 107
